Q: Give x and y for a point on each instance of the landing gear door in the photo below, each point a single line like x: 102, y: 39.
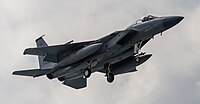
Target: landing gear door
x: 136, y: 48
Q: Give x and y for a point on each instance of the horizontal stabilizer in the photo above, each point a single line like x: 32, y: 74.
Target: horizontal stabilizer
x: 31, y: 73
x: 77, y: 83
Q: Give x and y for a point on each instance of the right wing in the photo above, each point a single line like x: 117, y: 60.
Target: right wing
x: 77, y: 83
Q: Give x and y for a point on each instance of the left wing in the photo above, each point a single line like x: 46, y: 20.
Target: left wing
x: 52, y: 50
x: 54, y: 53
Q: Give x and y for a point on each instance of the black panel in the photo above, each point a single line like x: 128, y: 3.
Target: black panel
x: 128, y: 36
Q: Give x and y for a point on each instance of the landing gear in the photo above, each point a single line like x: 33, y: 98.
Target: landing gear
x: 109, y: 75
x: 61, y: 79
x: 49, y: 76
x: 87, y: 73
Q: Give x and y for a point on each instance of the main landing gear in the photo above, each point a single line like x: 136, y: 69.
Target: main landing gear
x: 109, y: 75
x: 87, y: 72
x: 49, y: 76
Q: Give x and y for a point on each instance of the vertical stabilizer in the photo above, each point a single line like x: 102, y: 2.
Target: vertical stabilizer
x: 40, y: 42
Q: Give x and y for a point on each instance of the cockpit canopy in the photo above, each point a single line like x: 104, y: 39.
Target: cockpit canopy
x: 147, y: 18
x: 144, y: 19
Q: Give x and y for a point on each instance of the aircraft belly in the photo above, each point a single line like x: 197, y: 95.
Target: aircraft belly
x: 60, y: 73
x: 73, y: 75
x: 100, y: 63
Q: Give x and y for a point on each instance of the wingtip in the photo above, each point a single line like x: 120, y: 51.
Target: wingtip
x: 14, y: 73
x: 24, y: 53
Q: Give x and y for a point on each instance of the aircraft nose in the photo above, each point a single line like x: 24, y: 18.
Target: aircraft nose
x: 171, y: 21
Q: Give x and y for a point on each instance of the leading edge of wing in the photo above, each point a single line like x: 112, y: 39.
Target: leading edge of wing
x: 52, y: 50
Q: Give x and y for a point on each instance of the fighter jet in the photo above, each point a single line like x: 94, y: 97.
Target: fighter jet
x: 114, y: 54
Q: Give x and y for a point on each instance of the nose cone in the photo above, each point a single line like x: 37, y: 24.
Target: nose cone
x: 171, y: 21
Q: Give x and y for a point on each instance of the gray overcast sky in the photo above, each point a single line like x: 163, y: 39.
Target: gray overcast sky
x: 170, y: 76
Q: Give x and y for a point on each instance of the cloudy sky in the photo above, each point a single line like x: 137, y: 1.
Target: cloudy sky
x: 170, y: 76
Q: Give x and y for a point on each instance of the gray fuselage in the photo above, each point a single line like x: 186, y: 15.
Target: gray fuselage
x: 118, y: 45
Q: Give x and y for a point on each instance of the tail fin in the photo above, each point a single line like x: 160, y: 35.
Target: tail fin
x: 40, y: 42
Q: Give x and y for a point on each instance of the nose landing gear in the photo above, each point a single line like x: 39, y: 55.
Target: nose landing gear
x: 110, y: 77
x: 87, y: 72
